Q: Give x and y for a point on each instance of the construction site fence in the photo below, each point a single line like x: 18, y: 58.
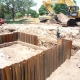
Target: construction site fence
x: 28, y: 38
x: 40, y: 66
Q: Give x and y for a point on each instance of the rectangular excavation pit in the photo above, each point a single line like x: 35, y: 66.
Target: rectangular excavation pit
x: 37, y: 67
x: 15, y: 52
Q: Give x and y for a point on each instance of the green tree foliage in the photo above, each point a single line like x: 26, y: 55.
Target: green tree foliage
x: 18, y: 15
x: 15, y: 7
x: 74, y: 1
x: 33, y: 13
x: 2, y: 10
x: 42, y: 10
x: 60, y: 8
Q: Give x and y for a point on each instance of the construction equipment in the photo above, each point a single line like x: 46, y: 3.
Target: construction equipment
x: 73, y: 11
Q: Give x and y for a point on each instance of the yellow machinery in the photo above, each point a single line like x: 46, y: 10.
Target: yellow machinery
x: 73, y: 10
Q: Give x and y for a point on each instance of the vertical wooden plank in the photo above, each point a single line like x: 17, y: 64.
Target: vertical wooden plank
x: 48, y: 63
x: 6, y: 38
x: 3, y: 75
x: 64, y: 51
x: 8, y: 72
x: 15, y: 36
x: 32, y: 68
x: 69, y: 45
x: 0, y: 39
x: 18, y: 35
x: 0, y: 74
x: 51, y: 61
x: 25, y: 69
x: 28, y: 38
x: 13, y: 72
x: 52, y: 58
x: 22, y: 70
x: 29, y: 69
x: 55, y: 52
x: 18, y: 71
x: 3, y: 38
x: 38, y: 66
x: 35, y: 40
x: 61, y: 54
x: 24, y: 37
x: 31, y: 39
x: 58, y: 55
x: 45, y: 64
x: 11, y: 37
x: 35, y: 68
x: 41, y: 67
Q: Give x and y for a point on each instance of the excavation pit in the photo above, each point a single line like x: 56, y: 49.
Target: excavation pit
x: 17, y: 52
x: 27, y: 61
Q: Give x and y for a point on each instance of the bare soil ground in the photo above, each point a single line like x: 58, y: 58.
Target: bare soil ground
x: 16, y: 53
x: 70, y: 70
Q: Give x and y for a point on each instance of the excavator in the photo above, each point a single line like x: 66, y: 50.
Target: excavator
x: 72, y: 10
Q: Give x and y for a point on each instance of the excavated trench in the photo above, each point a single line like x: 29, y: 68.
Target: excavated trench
x: 21, y: 55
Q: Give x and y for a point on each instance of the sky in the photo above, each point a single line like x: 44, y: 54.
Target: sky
x: 39, y: 3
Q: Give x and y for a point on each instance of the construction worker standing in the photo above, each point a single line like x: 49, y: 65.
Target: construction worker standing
x: 58, y: 32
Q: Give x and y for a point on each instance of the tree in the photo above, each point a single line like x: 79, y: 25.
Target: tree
x: 74, y: 1
x: 17, y: 6
x: 33, y: 13
x: 58, y: 8
x: 43, y: 11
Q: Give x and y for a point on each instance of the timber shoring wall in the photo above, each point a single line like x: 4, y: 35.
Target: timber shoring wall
x: 37, y: 67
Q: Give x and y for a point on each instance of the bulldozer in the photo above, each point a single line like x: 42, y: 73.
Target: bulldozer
x: 72, y: 10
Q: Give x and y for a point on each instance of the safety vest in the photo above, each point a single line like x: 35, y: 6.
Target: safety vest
x: 58, y: 31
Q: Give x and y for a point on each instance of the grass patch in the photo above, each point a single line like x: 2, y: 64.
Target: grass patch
x: 22, y: 21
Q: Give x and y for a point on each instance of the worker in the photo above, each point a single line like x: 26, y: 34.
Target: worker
x: 58, y: 32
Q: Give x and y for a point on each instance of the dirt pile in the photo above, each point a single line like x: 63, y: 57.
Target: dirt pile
x: 6, y: 30
x: 63, y: 18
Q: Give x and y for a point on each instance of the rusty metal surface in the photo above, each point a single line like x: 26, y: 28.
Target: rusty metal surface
x: 8, y: 73
x: 28, y: 38
x: 37, y: 67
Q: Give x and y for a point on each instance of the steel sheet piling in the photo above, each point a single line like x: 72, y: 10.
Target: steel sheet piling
x: 3, y: 75
x: 38, y: 67
x: 8, y: 72
x: 41, y: 67
x: 25, y: 69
